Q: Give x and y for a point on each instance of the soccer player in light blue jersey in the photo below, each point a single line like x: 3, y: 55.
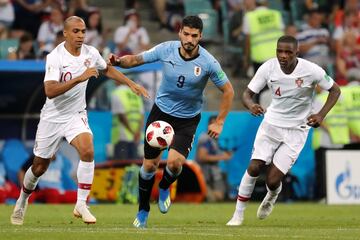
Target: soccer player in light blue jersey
x: 187, y: 68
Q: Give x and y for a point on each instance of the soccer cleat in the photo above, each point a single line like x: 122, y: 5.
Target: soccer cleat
x: 266, y: 206
x: 164, y: 202
x: 18, y: 215
x: 82, y: 211
x: 236, y: 220
x: 141, y: 219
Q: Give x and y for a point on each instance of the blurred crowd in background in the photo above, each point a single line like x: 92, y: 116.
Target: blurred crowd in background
x: 328, y: 31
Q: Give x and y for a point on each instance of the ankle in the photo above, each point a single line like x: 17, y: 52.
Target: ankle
x: 80, y: 203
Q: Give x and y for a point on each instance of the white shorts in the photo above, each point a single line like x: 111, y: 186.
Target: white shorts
x: 281, y: 146
x: 49, y: 135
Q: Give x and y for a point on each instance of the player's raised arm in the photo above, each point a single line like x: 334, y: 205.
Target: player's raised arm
x: 127, y: 61
x: 55, y: 88
x: 112, y: 73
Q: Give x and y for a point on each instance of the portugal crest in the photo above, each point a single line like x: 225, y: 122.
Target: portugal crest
x: 87, y: 62
x: 197, y: 71
x: 299, y: 82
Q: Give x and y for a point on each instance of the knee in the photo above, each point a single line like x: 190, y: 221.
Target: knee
x: 174, y: 165
x: 150, y: 166
x: 87, y: 154
x: 255, y: 167
x: 39, y: 169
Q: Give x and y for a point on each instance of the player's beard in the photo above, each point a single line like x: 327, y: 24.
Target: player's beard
x: 188, y: 47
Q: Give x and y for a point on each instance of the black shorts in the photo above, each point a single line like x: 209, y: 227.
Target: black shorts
x: 184, y: 129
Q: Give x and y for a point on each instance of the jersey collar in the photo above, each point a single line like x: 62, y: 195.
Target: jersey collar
x: 189, y: 59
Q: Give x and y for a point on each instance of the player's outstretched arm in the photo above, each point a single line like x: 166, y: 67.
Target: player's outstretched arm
x: 127, y: 61
x: 315, y: 120
x: 253, y: 107
x: 112, y: 73
x: 56, y: 88
x: 226, y: 101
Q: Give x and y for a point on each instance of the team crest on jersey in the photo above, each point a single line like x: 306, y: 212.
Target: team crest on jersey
x: 299, y: 82
x: 87, y: 62
x: 197, y: 71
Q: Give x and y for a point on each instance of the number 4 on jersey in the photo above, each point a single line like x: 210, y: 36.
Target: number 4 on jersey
x: 277, y: 92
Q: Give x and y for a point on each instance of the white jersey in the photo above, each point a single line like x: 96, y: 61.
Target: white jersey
x: 61, y: 66
x: 292, y: 94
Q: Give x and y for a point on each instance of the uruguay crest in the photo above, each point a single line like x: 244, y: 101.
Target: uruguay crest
x: 197, y: 71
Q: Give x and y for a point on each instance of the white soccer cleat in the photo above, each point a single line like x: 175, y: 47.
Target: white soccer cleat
x: 82, y: 211
x: 18, y: 215
x: 236, y: 220
x: 266, y: 206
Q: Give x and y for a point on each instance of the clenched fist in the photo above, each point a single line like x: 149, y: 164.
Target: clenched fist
x: 89, y: 72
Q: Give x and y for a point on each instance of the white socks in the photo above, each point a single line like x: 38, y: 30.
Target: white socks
x: 29, y: 185
x: 245, y: 190
x: 85, y: 176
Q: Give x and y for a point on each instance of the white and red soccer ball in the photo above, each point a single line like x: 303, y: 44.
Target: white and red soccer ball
x: 159, y: 134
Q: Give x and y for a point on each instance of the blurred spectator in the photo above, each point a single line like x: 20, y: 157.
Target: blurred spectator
x: 47, y: 32
x: 131, y: 5
x: 350, y: 5
x: 334, y: 130
x: 314, y: 40
x: 351, y: 95
x: 351, y: 23
x: 128, y: 122
x: 131, y: 38
x: 28, y: 16
x: 80, y: 8
x: 348, y: 60
x: 7, y: 188
x: 94, y: 31
x: 4, y: 33
x: 234, y: 6
x: 208, y: 156
x: 291, y: 30
x: 322, y: 5
x: 237, y: 10
x: 59, y: 38
x: 169, y: 13
x: 261, y: 35
x: 51, y: 187
x: 333, y: 133
x: 7, y: 14
x: 25, y: 49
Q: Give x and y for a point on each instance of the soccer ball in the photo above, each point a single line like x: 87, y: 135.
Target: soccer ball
x: 159, y: 134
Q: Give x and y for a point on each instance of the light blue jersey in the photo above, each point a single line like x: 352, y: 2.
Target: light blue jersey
x: 181, y: 90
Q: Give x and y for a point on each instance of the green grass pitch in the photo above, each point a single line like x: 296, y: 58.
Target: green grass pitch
x: 186, y: 221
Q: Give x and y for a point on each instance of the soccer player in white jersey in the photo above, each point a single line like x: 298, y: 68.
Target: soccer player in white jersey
x: 68, y: 68
x: 283, y: 132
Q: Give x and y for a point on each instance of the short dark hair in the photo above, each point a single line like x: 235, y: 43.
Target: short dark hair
x: 192, y: 22
x: 288, y: 39
x: 26, y: 37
